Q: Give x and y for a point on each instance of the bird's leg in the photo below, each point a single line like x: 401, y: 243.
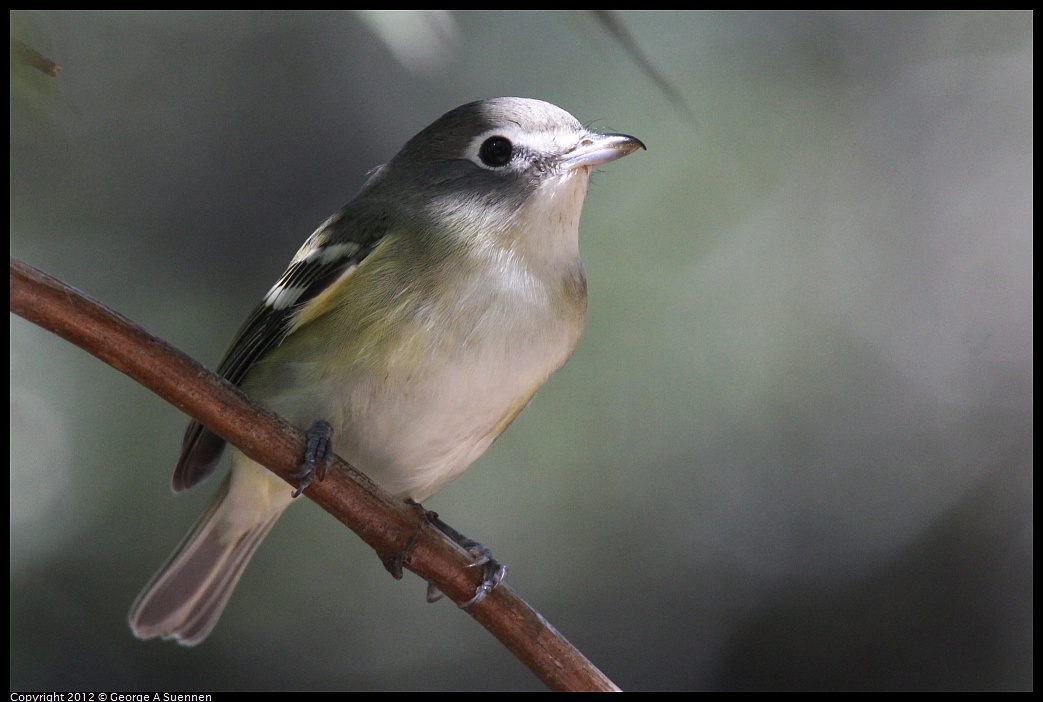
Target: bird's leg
x: 316, y: 456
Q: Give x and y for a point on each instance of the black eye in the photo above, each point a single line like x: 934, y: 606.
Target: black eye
x: 496, y: 151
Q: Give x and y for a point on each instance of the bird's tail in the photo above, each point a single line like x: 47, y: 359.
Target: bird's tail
x: 185, y: 598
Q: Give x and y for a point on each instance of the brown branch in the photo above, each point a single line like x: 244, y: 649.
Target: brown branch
x: 383, y: 522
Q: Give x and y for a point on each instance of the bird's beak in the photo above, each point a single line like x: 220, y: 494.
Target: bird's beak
x: 597, y: 149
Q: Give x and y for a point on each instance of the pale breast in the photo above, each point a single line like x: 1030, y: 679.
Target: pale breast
x: 419, y: 407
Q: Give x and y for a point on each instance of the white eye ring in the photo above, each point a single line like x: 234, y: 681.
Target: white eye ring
x: 496, y: 151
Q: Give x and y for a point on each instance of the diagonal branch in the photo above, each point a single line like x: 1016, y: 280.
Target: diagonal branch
x: 383, y: 522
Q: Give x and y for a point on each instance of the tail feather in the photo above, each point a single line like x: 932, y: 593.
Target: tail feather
x: 185, y: 598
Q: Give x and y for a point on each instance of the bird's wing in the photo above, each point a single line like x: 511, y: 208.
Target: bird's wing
x: 333, y: 252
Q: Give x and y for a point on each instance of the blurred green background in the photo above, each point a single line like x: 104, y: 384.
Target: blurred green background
x: 793, y: 450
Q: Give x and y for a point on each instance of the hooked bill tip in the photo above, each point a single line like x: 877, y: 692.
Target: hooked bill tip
x: 598, y: 149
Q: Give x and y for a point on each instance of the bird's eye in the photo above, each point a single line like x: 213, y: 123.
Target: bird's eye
x: 496, y: 151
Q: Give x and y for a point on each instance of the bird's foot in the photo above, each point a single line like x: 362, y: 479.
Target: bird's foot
x: 316, y: 456
x: 493, y: 571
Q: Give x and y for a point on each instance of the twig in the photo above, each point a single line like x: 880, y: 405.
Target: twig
x: 382, y: 521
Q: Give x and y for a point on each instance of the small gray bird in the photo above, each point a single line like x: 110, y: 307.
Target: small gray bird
x: 408, y: 332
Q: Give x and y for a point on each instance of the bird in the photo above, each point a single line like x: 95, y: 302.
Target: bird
x: 406, y: 334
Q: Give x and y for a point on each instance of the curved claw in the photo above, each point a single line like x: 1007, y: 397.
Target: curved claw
x: 305, y: 481
x: 494, y: 574
x: 433, y: 594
